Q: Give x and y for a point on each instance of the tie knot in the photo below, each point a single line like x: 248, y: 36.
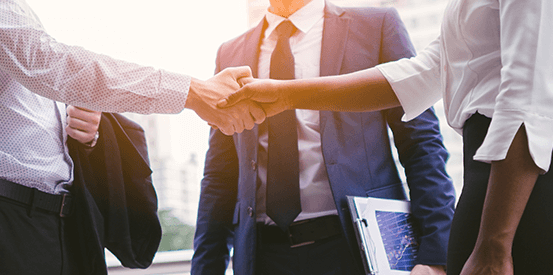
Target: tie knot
x: 285, y: 29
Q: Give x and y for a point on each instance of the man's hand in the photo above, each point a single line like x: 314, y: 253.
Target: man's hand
x: 267, y: 93
x: 203, y: 97
x: 428, y: 270
x: 82, y: 124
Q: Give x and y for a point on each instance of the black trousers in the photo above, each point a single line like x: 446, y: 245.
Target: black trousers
x: 533, y: 243
x: 326, y: 257
x: 36, y: 242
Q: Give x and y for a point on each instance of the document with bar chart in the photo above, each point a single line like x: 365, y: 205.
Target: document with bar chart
x: 387, y: 237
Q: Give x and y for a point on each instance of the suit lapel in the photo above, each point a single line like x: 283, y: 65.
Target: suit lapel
x: 251, y: 58
x: 253, y: 43
x: 335, y: 33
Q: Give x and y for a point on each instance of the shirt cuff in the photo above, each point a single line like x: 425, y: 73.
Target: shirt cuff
x: 415, y: 92
x: 502, y: 130
x: 174, y: 89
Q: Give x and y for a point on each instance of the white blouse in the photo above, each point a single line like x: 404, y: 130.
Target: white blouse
x: 493, y: 57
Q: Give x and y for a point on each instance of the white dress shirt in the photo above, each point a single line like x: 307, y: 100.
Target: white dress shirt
x: 492, y: 57
x: 315, y: 193
x: 32, y: 134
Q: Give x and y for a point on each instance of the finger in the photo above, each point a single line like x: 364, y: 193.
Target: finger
x: 232, y: 99
x: 82, y: 125
x: 257, y: 113
x: 84, y: 115
x: 243, y: 81
x: 83, y: 122
x: 223, y: 103
x: 84, y: 109
x: 238, y: 125
x: 243, y: 71
x: 75, y: 110
x: 80, y: 136
x: 227, y: 130
x: 249, y: 121
x: 71, y: 110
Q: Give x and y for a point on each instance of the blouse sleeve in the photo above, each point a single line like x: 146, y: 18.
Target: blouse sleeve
x: 526, y: 89
x: 416, y: 80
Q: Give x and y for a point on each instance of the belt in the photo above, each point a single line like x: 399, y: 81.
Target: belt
x: 61, y: 204
x: 301, y: 232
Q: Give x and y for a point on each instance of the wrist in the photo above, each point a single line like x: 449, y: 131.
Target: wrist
x: 191, y: 98
x: 493, y: 247
x: 94, y: 140
x: 290, y: 94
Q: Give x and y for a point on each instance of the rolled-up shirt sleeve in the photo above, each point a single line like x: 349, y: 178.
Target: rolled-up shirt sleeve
x: 79, y: 77
x: 526, y: 89
x: 416, y: 80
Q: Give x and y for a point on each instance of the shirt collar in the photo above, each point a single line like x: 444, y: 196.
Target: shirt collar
x: 304, y: 19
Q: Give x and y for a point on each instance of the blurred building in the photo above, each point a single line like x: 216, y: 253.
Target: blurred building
x: 174, y: 161
x: 421, y: 17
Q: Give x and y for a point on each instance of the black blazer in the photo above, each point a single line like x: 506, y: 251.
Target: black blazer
x: 116, y: 204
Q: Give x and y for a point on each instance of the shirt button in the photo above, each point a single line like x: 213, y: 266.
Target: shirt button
x: 253, y: 165
x: 250, y: 211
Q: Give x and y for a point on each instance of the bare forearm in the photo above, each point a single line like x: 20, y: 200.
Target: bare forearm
x: 365, y: 90
x: 511, y: 183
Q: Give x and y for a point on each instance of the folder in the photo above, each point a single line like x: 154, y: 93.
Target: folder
x: 387, y: 236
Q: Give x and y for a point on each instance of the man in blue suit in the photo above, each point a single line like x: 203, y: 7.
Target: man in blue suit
x: 334, y: 154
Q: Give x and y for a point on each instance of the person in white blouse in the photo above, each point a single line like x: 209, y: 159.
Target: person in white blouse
x: 491, y: 65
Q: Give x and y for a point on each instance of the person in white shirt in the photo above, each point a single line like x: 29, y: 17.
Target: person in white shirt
x: 491, y: 65
x: 38, y: 77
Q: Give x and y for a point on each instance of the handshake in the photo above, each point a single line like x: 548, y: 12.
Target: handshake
x: 233, y: 100
x: 225, y: 104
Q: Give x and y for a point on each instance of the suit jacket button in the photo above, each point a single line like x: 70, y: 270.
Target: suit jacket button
x: 250, y: 211
x: 254, y: 165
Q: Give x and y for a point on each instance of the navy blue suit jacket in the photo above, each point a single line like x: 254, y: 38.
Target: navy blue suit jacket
x: 355, y: 146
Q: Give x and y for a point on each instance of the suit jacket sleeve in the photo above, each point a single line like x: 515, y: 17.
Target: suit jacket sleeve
x: 214, y: 226
x: 423, y: 155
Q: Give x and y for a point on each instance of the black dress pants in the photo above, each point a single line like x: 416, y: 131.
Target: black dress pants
x: 33, y: 243
x: 327, y: 257
x: 533, y: 243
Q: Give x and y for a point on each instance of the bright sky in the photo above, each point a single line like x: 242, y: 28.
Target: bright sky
x: 176, y: 35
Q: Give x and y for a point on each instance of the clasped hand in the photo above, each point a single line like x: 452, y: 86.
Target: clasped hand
x: 204, y: 95
x: 82, y: 123
x: 269, y: 94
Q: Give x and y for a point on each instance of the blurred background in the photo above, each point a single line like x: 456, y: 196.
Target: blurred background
x: 183, y: 36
